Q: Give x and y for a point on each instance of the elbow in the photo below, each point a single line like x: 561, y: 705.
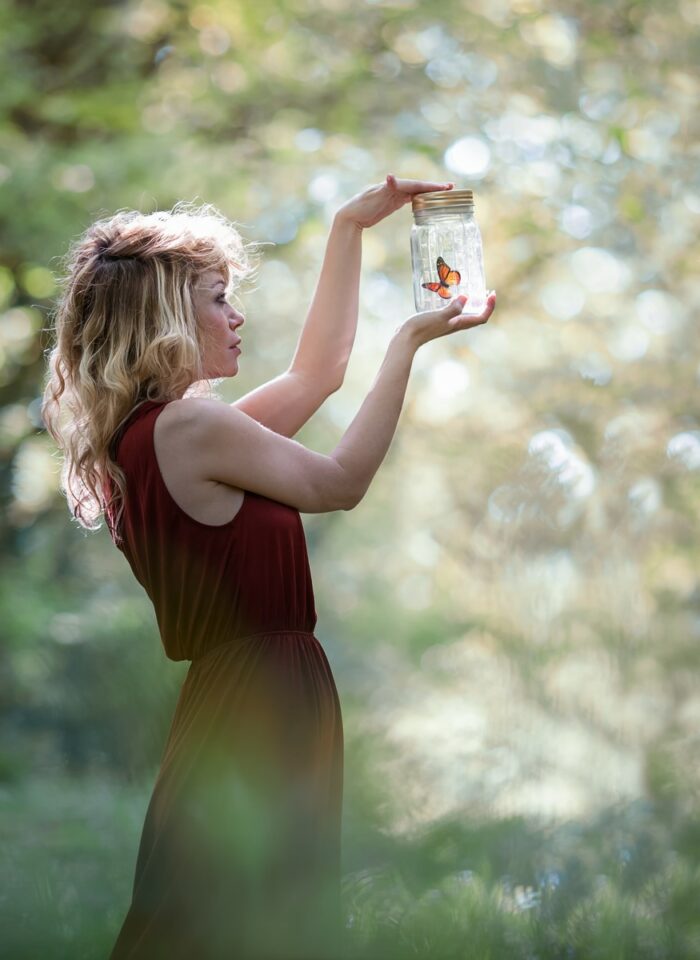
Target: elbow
x: 332, y: 377
x: 352, y: 498
x: 330, y: 380
x: 344, y: 491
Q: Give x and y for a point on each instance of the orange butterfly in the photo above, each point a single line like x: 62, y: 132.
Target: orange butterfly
x: 448, y: 278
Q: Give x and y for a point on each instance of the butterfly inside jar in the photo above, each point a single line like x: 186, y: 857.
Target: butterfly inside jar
x: 447, y: 278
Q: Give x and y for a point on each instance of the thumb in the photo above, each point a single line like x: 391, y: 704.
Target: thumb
x: 455, y: 306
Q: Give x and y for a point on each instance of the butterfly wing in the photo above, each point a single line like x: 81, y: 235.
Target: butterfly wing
x: 448, y: 276
x: 439, y: 288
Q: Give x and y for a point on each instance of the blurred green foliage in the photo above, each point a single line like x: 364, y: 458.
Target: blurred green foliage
x: 513, y: 612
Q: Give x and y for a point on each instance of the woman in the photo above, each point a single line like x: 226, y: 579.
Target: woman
x: 240, y: 851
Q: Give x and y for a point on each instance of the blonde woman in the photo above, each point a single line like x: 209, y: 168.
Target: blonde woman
x: 240, y: 850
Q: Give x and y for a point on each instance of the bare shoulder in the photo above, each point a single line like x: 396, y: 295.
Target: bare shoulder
x: 182, y: 467
x: 192, y: 410
x: 203, y: 427
x: 192, y: 421
x: 177, y: 426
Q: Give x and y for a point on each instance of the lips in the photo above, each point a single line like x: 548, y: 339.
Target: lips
x: 235, y: 344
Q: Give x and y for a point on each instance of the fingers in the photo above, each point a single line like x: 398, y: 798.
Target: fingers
x: 471, y: 321
x: 489, y: 308
x: 417, y: 186
x: 454, y: 308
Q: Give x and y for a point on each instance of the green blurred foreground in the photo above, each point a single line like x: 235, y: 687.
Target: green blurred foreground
x: 609, y: 889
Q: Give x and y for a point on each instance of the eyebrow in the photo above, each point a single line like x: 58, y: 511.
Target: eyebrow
x: 211, y: 286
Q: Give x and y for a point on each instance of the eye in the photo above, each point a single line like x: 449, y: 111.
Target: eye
x: 221, y: 299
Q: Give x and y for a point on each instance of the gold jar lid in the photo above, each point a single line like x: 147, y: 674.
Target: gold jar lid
x: 442, y: 198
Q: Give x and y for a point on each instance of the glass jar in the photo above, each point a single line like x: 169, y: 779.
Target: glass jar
x: 446, y: 251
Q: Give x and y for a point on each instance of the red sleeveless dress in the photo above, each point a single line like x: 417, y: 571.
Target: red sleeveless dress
x: 240, y: 850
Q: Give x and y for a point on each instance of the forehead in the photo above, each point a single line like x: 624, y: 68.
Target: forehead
x: 212, y: 280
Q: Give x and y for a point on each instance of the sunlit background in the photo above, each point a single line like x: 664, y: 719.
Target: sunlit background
x: 512, y: 613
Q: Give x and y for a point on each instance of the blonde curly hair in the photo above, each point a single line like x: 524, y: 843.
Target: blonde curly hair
x: 126, y: 331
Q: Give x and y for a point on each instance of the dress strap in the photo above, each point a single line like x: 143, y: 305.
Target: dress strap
x: 145, y: 406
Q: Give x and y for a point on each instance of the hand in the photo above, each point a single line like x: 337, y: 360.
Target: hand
x: 377, y: 202
x: 432, y: 324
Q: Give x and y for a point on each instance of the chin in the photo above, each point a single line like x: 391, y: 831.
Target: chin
x: 222, y: 372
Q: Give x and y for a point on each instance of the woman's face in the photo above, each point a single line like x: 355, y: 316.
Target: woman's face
x: 219, y: 323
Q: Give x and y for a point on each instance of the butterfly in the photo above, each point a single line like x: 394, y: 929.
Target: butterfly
x: 448, y: 278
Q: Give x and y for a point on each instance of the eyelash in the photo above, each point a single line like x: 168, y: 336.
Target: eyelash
x: 221, y: 299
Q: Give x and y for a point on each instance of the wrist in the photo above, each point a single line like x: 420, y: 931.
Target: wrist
x: 407, y: 335
x: 346, y: 222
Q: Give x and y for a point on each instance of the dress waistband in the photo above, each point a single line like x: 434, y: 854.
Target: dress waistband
x: 251, y: 636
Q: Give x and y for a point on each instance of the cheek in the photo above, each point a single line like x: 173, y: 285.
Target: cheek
x: 214, y: 326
